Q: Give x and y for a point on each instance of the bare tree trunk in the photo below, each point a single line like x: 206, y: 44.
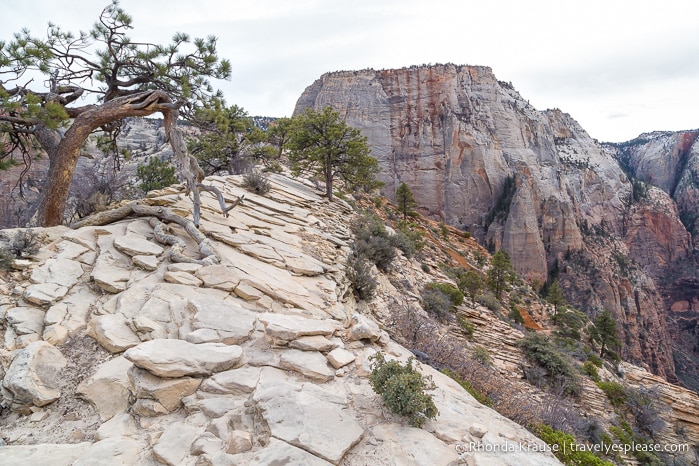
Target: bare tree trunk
x: 64, y: 156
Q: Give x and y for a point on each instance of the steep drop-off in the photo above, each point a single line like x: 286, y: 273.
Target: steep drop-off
x: 478, y: 156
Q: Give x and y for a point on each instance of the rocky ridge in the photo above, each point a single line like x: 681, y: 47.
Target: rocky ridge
x: 112, y: 354
x: 478, y: 156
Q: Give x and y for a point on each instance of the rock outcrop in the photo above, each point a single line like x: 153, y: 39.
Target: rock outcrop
x: 478, y: 156
x: 260, y: 360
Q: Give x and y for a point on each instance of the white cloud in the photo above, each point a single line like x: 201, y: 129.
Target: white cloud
x: 619, y: 68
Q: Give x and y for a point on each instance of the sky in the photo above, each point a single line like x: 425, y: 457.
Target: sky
x: 620, y: 68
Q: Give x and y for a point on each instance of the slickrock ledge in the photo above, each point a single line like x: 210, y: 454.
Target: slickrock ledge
x: 260, y: 359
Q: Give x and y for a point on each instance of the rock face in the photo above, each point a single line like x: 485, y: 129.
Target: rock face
x: 261, y: 359
x: 477, y: 156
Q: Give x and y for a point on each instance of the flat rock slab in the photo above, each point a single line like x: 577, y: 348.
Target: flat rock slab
x: 136, y: 245
x: 282, y: 328
x: 54, y: 454
x: 178, y: 358
x: 292, y: 412
x: 65, y: 272
x: 218, y: 276
x: 182, y: 278
x: 312, y: 364
x: 148, y: 263
x: 174, y: 445
x: 396, y: 444
x: 279, y: 452
x: 25, y: 320
x: 232, y: 323
x: 340, y: 357
x: 44, y: 293
x: 112, y: 451
x: 243, y: 380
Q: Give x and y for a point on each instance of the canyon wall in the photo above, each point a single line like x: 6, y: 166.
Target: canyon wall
x: 479, y: 157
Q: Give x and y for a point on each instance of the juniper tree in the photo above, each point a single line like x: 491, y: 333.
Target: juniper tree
x: 121, y: 77
x: 323, y: 145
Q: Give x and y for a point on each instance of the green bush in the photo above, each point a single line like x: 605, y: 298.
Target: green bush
x: 616, y: 393
x: 515, y: 315
x: 590, y: 369
x: 402, y: 389
x: 358, y: 272
x: 372, y: 241
x: 596, y: 360
x: 156, y: 174
x: 490, y: 301
x: 25, y: 244
x: 7, y: 259
x: 256, y: 182
x: 541, y: 352
x: 563, y: 447
x: 436, y: 303
x: 481, y: 354
x: 466, y: 326
x: 455, y: 295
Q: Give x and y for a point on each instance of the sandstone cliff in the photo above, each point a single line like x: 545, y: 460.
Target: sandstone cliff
x: 479, y: 157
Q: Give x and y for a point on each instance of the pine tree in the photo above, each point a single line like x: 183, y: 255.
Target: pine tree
x: 603, y: 331
x: 405, y: 200
x: 500, y: 273
x: 555, y: 297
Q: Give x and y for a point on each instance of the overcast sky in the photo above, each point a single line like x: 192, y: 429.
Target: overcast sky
x: 620, y: 68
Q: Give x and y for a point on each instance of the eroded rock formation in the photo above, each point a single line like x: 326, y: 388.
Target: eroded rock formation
x: 478, y: 156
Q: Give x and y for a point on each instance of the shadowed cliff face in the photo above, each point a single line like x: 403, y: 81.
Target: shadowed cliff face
x: 478, y: 156
x: 670, y: 161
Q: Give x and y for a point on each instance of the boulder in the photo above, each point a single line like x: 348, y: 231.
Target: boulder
x: 112, y: 332
x: 148, y: 263
x: 33, y: 377
x: 174, y: 445
x: 108, y: 388
x: 44, y: 293
x: 178, y: 358
x: 363, y: 328
x: 25, y: 320
x: 242, y: 380
x: 340, y: 357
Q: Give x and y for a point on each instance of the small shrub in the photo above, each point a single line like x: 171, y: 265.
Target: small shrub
x: 596, y: 360
x: 466, y: 326
x: 616, y: 393
x: 402, y: 389
x: 156, y: 174
x: 455, y: 295
x: 6, y: 259
x: 358, y: 272
x: 256, y: 182
x: 590, y: 370
x: 565, y: 450
x: 401, y: 241
x: 515, y: 315
x: 436, y: 303
x: 425, y: 268
x: 25, y: 244
x: 490, y: 301
x: 481, y: 354
x: 541, y: 352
